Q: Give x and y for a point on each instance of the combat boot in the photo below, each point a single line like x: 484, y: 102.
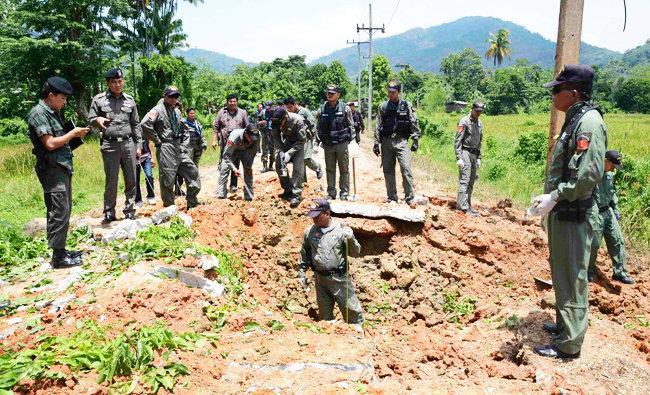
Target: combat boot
x: 295, y: 202
x: 61, y: 260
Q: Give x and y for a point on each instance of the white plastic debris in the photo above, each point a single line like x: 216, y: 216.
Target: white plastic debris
x: 127, y: 229
x: 192, y: 280
x: 76, y: 274
x: 208, y: 262
x: 164, y: 214
x: 59, y: 303
x: 187, y: 220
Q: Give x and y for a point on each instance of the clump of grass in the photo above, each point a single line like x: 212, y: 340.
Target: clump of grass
x: 457, y: 307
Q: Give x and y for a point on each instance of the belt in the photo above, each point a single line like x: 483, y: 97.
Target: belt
x: 117, y: 139
x: 338, y: 271
x: 471, y: 150
x: 603, y: 209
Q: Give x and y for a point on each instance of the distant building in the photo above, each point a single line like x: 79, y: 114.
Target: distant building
x: 453, y: 106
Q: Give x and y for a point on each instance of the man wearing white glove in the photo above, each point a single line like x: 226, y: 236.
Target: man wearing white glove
x: 325, y: 249
x: 289, y: 135
x: 467, y: 146
x: 577, y: 165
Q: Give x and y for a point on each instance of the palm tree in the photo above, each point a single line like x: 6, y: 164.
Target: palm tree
x: 499, y: 46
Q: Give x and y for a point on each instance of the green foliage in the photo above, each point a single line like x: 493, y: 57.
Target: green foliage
x: 532, y: 147
x: 132, y: 353
x: 275, y: 325
x: 17, y: 248
x: 633, y: 191
x: 633, y: 94
x: 12, y: 127
x: 456, y: 307
x: 513, y: 321
x: 159, y: 71
x: 464, y: 73
x: 517, y: 88
x: 382, y: 73
x: 218, y: 315
x: 499, y: 46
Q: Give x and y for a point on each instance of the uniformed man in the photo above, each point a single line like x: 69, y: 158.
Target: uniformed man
x: 196, y: 142
x: 53, y: 167
x: 469, y: 136
x: 242, y: 145
x: 268, y: 153
x: 359, y: 126
x: 163, y: 126
x: 325, y: 249
x: 335, y: 129
x: 310, y: 122
x: 608, y: 226
x: 396, y: 123
x: 229, y: 118
x: 577, y: 165
x: 289, y: 136
x: 116, y: 115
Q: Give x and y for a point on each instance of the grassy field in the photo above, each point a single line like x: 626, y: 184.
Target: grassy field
x: 514, y: 153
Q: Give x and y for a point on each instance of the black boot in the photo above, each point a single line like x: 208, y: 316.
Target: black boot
x: 61, y: 260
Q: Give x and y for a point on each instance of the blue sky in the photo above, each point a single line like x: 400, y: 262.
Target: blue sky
x: 255, y: 30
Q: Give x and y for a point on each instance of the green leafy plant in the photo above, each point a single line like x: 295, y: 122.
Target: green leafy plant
x: 456, y: 307
x: 275, y: 325
x: 312, y: 327
x: 512, y: 321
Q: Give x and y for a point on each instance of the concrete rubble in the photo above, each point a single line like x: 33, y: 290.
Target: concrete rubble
x: 192, y: 280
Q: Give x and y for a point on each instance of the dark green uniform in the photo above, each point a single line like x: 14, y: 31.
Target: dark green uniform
x: 467, y: 147
x: 54, y: 171
x: 325, y: 251
x: 396, y: 123
x: 291, y: 139
x: 335, y: 129
x: 608, y: 226
x: 310, y: 123
x: 162, y: 125
x: 237, y: 149
x: 118, y: 145
x: 577, y: 165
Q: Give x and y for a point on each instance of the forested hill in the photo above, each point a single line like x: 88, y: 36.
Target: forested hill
x: 425, y: 48
x: 219, y: 62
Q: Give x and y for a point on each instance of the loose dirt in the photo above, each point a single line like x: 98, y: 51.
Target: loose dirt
x: 406, y: 274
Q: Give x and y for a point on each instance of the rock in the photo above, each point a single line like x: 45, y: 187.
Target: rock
x: 548, y: 301
x: 35, y: 226
x: 43, y: 304
x: 192, y: 280
x: 372, y: 227
x: 44, y: 265
x: 405, y: 279
x: 5, y: 334
x: 249, y: 216
x: 123, y: 257
x: 76, y: 274
x: 388, y: 267
x: 164, y: 215
x: 14, y: 321
x: 402, y: 212
x: 208, y: 262
x: 127, y: 229
x: 187, y: 220
x: 59, y: 303
x: 295, y: 307
x: 542, y: 378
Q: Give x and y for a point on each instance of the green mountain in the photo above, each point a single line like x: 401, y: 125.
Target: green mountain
x: 219, y: 62
x: 638, y: 55
x: 425, y: 48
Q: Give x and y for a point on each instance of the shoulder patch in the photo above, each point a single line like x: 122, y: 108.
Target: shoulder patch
x: 460, y: 128
x: 152, y: 114
x: 582, y: 144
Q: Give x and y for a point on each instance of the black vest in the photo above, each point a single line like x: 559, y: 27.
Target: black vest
x: 396, y: 119
x: 335, y: 130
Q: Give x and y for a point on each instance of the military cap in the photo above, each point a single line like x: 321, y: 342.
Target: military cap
x: 231, y: 96
x: 58, y: 84
x: 115, y: 72
x: 331, y: 88
x: 269, y: 102
x: 579, y: 74
x: 478, y: 106
x: 253, y: 131
x: 394, y: 86
x: 318, y: 207
x: 614, y: 157
x: 171, y: 90
x: 279, y: 113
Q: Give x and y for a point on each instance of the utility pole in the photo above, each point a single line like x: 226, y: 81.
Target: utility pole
x: 370, y: 30
x: 358, y: 43
x: 403, y: 66
x: 567, y: 51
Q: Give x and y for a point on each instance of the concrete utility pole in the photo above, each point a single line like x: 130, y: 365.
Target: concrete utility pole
x: 403, y: 66
x: 567, y: 52
x: 370, y: 30
x: 358, y: 43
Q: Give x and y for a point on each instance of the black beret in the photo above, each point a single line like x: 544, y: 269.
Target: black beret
x: 614, y: 157
x: 114, y: 73
x: 58, y: 84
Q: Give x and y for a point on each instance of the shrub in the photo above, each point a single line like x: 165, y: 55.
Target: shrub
x: 532, y: 148
x: 12, y: 127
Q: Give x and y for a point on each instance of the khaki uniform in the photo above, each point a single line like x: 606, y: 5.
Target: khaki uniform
x: 468, y: 149
x: 195, y: 147
x: 396, y: 123
x: 224, y: 123
x: 335, y: 129
x: 237, y: 149
x: 54, y: 171
x: 163, y: 126
x: 118, y: 146
x: 326, y: 251
x: 310, y: 122
x: 608, y: 226
x: 291, y: 139
x: 577, y: 165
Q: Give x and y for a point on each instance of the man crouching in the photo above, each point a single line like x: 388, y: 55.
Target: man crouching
x: 325, y: 248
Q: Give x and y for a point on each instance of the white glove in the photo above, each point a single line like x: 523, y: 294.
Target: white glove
x: 348, y: 234
x: 316, y: 148
x: 541, y: 205
x: 478, y: 163
x: 286, y: 158
x: 302, y: 280
x: 460, y: 163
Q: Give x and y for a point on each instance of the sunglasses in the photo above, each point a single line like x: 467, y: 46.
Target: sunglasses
x: 559, y: 88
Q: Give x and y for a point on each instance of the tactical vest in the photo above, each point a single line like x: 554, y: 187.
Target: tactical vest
x: 335, y: 131
x: 396, y: 120
x: 569, y: 135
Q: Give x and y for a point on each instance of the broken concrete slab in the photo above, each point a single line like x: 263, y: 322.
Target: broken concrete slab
x: 192, y: 280
x: 187, y: 220
x: 164, y: 214
x: 76, y: 274
x: 208, y: 262
x: 59, y: 304
x: 369, y: 210
x: 127, y: 229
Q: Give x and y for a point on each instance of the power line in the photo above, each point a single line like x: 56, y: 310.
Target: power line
x: 370, y: 30
x: 393, y: 14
